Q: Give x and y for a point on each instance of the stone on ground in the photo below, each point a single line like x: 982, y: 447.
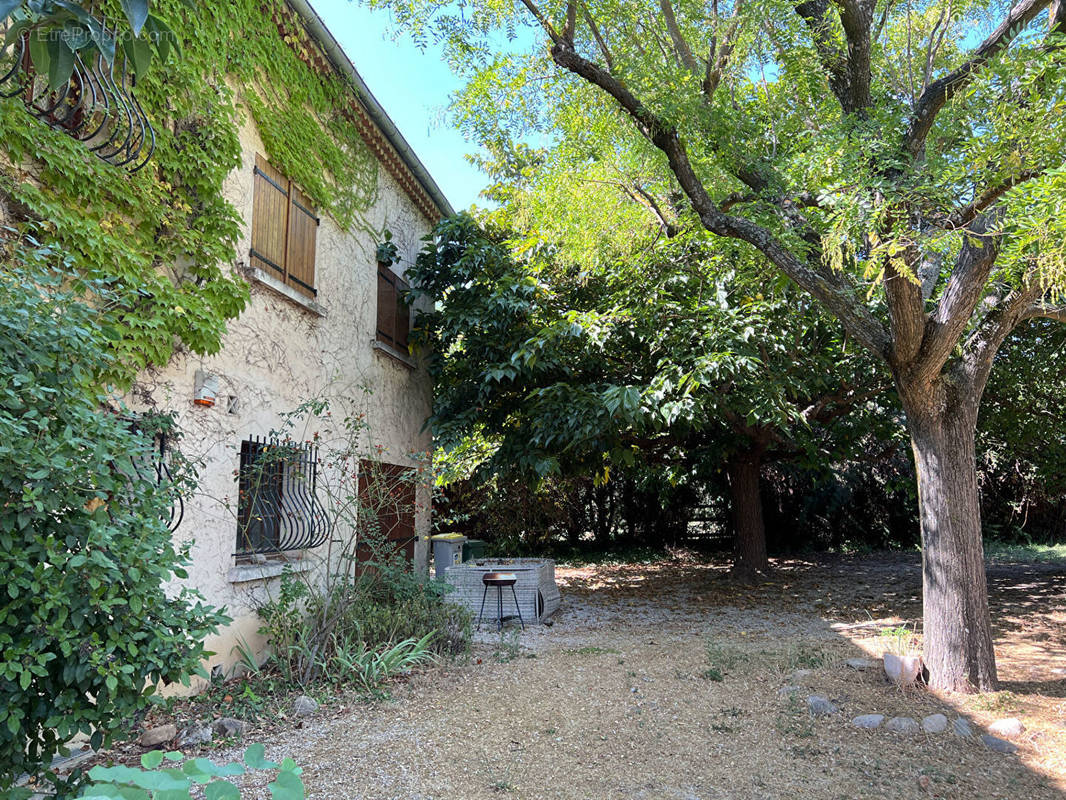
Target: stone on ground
x: 227, y: 727
x: 902, y: 725
x: 800, y: 675
x: 819, y: 706
x: 195, y: 734
x: 997, y: 744
x: 961, y: 727
x: 157, y: 736
x: 1008, y: 728
x: 902, y: 670
x: 861, y: 663
x: 304, y: 705
x: 935, y: 723
x: 784, y: 691
x: 868, y: 721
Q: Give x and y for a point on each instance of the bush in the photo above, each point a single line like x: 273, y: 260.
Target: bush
x: 86, y: 627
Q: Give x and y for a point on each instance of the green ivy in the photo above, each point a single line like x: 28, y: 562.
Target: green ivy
x: 163, y: 238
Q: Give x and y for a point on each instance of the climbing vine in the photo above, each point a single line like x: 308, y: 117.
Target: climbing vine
x: 163, y: 238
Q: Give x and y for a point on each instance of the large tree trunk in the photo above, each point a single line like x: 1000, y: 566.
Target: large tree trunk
x: 957, y: 628
x: 748, y: 527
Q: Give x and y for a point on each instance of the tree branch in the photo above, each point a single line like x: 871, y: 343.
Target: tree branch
x: 1046, y: 311
x: 968, y: 213
x: 681, y: 48
x: 965, y: 287
x: 848, y: 72
x: 983, y: 344
x: 831, y: 289
x: 939, y: 92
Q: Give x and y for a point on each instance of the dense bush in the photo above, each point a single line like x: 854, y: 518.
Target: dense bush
x: 86, y: 627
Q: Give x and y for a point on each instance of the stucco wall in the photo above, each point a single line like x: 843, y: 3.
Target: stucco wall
x: 278, y: 355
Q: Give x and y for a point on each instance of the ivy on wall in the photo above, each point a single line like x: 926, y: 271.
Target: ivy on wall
x: 163, y: 237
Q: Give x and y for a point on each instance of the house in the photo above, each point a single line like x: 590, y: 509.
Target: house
x: 323, y: 320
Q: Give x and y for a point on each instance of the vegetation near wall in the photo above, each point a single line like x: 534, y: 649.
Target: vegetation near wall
x: 164, y: 237
x: 86, y: 626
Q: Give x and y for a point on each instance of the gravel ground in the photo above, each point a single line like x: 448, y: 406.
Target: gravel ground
x: 661, y: 681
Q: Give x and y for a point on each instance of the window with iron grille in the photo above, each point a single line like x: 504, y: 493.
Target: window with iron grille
x: 284, y: 228
x: 394, y: 316
x: 277, y: 508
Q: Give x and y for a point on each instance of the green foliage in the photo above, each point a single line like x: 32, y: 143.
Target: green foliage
x: 89, y: 627
x: 164, y: 238
x: 156, y: 782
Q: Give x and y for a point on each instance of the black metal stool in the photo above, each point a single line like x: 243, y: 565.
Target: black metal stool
x: 499, y: 580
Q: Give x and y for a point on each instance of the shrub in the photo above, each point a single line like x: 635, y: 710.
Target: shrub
x: 86, y: 628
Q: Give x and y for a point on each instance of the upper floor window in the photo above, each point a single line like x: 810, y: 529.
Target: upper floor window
x: 284, y: 227
x: 394, y: 316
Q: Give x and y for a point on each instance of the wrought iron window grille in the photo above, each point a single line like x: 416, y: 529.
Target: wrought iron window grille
x: 278, y: 508
x: 97, y: 105
x: 156, y: 469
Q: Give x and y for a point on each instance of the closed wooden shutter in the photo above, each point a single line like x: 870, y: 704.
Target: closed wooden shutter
x: 270, y: 214
x: 303, y: 228
x: 387, y: 494
x: 386, y: 318
x: 403, y: 316
x: 284, y: 229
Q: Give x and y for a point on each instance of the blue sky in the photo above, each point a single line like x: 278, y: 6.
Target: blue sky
x: 413, y: 87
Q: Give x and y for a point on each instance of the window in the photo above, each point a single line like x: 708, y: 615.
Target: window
x: 284, y: 227
x: 394, y: 316
x: 277, y: 508
x: 387, y: 506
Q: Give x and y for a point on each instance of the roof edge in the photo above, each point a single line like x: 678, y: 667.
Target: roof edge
x: 340, y: 60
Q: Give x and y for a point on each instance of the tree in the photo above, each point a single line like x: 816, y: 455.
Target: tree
x: 89, y: 627
x: 668, y: 363
x: 873, y: 153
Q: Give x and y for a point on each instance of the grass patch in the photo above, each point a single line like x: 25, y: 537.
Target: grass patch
x: 1003, y: 553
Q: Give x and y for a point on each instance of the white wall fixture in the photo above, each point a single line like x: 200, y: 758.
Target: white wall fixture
x: 205, y: 388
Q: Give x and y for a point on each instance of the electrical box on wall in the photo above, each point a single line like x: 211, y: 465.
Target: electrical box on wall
x: 205, y: 390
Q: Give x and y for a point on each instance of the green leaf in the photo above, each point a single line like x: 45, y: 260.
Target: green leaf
x: 139, y: 54
x: 255, y: 758
x: 39, y: 52
x: 221, y: 790
x: 136, y: 12
x: 152, y: 760
x: 7, y: 6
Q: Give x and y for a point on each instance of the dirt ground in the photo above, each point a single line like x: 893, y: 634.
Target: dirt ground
x: 662, y: 681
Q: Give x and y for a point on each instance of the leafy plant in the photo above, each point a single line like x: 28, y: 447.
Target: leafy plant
x: 88, y: 627
x: 368, y: 669
x: 155, y: 782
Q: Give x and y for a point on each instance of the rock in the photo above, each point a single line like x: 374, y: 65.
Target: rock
x: 800, y: 675
x: 902, y: 670
x: 820, y: 707
x: 227, y: 727
x: 935, y: 723
x: 157, y: 736
x: 868, y: 721
x: 997, y: 744
x: 1009, y: 727
x: 861, y: 663
x: 902, y: 725
x: 961, y: 727
x: 304, y: 705
x: 784, y: 691
x: 195, y: 734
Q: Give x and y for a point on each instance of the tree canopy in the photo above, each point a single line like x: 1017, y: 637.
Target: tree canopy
x: 903, y: 165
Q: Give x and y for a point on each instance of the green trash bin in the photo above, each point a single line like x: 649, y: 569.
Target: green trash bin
x: 473, y: 549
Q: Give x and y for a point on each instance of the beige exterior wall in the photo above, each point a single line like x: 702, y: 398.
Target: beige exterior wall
x: 277, y: 355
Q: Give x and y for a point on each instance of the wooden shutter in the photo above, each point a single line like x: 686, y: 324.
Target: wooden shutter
x: 389, y: 491
x: 386, y: 320
x: 270, y: 215
x: 284, y: 229
x: 303, y: 229
x: 403, y: 317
